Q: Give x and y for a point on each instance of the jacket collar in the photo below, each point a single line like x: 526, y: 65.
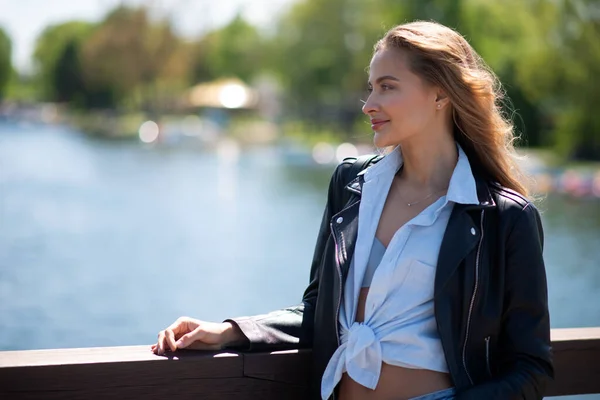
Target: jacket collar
x: 455, y: 193
x: 484, y: 195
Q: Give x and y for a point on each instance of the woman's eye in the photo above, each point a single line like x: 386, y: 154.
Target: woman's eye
x: 386, y: 87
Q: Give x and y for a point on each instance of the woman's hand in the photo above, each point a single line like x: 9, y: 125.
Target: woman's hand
x: 190, y: 333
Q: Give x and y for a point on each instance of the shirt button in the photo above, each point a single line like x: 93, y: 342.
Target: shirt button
x: 473, y: 231
x: 339, y: 220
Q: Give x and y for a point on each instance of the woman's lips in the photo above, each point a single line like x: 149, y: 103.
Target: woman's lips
x: 376, y: 125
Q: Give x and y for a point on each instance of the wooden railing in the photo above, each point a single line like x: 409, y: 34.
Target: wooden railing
x: 134, y: 372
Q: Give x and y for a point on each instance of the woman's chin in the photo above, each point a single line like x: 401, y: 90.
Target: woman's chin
x: 381, y: 141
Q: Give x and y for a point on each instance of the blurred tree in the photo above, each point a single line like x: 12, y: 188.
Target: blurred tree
x: 501, y: 33
x: 560, y: 69
x: 317, y: 42
x: 200, y: 70
x: 334, y: 39
x: 67, y: 76
x: 5, y: 62
x: 22, y: 88
x: 127, y: 55
x: 234, y: 50
x: 546, y: 53
x: 60, y: 44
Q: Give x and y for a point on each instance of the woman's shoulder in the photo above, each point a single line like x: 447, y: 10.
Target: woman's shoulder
x: 508, y: 197
x: 511, y: 203
x: 350, y: 167
x: 341, y: 172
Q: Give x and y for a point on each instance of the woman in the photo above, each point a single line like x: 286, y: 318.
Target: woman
x: 427, y: 280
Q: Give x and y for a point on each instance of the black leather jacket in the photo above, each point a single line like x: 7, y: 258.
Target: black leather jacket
x: 490, y: 295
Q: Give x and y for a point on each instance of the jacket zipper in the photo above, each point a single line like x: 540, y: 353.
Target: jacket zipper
x: 464, y: 354
x: 339, y: 271
x: 487, y: 355
x: 339, y: 302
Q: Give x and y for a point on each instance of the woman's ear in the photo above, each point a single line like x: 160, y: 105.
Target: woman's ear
x: 441, y: 99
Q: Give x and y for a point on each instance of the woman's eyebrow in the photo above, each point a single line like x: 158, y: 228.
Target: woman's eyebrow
x: 385, y: 77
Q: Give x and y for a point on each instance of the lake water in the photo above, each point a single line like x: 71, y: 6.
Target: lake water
x: 104, y: 243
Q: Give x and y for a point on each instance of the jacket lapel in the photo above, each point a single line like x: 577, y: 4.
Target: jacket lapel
x: 462, y: 234
x: 344, y: 226
x: 458, y: 241
x: 355, y: 185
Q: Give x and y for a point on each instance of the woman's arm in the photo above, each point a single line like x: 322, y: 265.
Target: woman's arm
x: 524, y: 348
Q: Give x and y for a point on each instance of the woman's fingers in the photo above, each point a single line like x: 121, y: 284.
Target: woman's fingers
x: 185, y: 340
x: 166, y: 338
x: 162, y: 343
x: 183, y: 333
x: 170, y: 339
x: 182, y: 326
x: 189, y: 338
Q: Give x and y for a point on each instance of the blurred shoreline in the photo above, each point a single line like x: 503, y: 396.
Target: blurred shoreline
x: 295, y: 142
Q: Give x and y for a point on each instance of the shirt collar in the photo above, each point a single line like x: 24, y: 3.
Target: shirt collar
x: 462, y: 188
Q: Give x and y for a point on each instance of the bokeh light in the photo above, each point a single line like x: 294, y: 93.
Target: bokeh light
x: 148, y: 131
x: 233, y: 96
x: 345, y: 150
x: 323, y: 153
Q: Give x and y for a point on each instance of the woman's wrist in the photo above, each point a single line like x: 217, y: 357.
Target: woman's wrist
x: 233, y: 335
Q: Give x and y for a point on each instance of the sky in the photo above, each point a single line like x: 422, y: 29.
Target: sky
x: 24, y: 20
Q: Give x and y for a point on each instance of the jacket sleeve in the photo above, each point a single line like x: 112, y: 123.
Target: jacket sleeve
x: 292, y: 327
x: 524, y: 347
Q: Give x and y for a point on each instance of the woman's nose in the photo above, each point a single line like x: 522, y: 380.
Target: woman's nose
x: 369, y: 106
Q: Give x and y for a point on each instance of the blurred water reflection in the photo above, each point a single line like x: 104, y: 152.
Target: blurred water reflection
x: 105, y: 243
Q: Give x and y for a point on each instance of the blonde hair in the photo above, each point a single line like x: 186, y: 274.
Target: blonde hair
x: 443, y: 57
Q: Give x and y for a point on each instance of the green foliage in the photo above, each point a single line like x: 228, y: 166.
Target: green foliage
x: 546, y: 53
x: 120, y: 62
x: 127, y: 55
x: 67, y: 75
x: 234, y: 50
x: 5, y: 62
x: 561, y: 70
x: 321, y: 50
x: 59, y: 44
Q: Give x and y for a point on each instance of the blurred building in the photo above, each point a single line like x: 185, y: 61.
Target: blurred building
x: 230, y: 93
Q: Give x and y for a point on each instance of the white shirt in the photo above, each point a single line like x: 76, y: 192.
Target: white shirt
x: 399, y: 325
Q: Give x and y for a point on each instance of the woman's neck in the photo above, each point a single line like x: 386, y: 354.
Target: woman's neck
x: 428, y: 165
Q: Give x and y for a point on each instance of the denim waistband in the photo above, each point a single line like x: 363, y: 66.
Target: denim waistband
x: 444, y: 394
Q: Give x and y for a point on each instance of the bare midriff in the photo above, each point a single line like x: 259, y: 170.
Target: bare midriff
x: 395, y: 383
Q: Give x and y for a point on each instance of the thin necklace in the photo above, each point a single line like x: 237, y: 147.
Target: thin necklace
x: 424, y: 198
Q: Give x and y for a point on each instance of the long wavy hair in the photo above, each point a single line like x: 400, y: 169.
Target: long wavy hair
x: 443, y: 57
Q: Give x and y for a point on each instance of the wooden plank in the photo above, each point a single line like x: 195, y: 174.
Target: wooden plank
x: 576, y: 361
x: 291, y: 366
x: 135, y: 372
x: 209, y: 389
x: 562, y: 337
x: 93, y: 355
x: 68, y: 370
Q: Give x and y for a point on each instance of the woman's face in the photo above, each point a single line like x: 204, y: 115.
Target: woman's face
x: 400, y: 104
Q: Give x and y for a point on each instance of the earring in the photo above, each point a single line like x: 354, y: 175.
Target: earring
x: 439, y: 106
